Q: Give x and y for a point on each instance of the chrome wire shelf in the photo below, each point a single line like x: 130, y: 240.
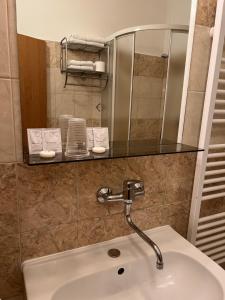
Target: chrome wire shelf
x: 82, y: 74
x: 81, y: 47
x: 85, y: 75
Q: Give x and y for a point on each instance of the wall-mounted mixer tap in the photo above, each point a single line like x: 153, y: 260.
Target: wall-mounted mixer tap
x: 131, y: 190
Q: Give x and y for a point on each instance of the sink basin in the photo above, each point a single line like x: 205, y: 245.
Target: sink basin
x: 89, y: 273
x: 182, y: 278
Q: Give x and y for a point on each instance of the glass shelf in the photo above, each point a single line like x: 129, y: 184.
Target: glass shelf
x: 117, y: 150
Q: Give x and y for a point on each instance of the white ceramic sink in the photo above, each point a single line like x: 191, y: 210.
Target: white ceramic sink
x: 88, y: 273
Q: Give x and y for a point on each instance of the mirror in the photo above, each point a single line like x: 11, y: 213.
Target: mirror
x: 136, y: 89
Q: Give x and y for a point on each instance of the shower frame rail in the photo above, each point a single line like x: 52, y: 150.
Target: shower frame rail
x: 132, y: 31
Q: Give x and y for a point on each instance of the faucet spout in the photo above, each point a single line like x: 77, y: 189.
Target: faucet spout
x: 131, y: 190
x: 159, y: 261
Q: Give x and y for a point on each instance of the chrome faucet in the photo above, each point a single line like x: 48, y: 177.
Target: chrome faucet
x: 131, y: 190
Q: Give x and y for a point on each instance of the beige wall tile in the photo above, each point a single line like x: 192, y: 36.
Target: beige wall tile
x: 51, y: 56
x: 4, y: 38
x: 147, y: 86
x: 179, y: 167
x: 83, y: 105
x: 9, y: 245
x: 51, y: 80
x: 65, y: 104
x: 17, y: 119
x: 51, y: 94
x: 193, y: 118
x: 91, y: 176
x: 177, y: 216
x: 142, y: 129
x: 212, y: 12
x: 147, y: 65
x: 8, y: 205
x: 179, y: 190
x: 14, y: 68
x: 48, y: 240
x: 47, y: 196
x: 148, y: 107
x: 10, y: 275
x: 91, y: 231
x: 7, y: 145
x: 206, y: 12
x: 51, y: 107
x: 202, y: 13
x: 200, y: 59
x: 116, y: 226
x: 147, y: 218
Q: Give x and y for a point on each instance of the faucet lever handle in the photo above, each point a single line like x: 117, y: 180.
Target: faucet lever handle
x: 134, y: 185
x: 133, y: 188
x: 103, y: 194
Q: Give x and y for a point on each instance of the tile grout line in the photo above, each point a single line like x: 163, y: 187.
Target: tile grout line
x: 11, y: 83
x: 18, y: 211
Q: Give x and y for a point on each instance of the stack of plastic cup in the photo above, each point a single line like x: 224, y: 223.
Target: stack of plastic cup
x: 76, y: 145
x: 63, y: 125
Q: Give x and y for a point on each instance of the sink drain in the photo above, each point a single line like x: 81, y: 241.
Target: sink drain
x: 121, y: 271
x: 114, y: 253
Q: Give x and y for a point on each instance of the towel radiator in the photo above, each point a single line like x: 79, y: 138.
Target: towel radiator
x: 208, y: 232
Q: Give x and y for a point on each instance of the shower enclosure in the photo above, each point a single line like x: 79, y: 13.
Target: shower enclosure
x: 142, y: 99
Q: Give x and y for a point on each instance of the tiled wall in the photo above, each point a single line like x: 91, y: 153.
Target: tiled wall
x: 148, y: 100
x: 47, y: 209
x: 10, y: 146
x: 199, y: 70
x: 76, y: 100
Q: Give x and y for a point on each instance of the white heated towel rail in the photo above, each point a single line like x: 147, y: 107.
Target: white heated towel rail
x: 208, y: 232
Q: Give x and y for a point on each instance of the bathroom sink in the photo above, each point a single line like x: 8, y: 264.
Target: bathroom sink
x: 88, y: 273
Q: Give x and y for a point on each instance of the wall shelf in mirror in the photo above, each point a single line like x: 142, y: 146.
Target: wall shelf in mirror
x: 88, y: 70
x: 81, y: 47
x: 87, y: 74
x: 118, y: 150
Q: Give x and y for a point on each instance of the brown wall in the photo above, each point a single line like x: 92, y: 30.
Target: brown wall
x: 47, y: 209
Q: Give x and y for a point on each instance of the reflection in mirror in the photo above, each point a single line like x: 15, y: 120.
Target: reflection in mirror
x: 135, y: 91
x: 149, y: 84
x: 149, y: 72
